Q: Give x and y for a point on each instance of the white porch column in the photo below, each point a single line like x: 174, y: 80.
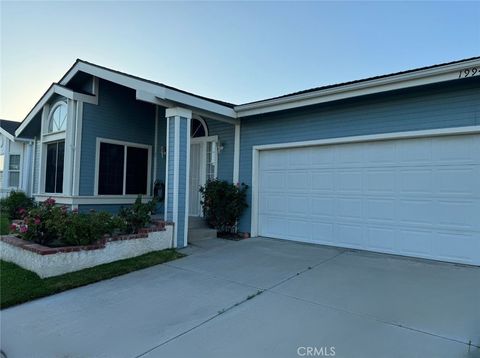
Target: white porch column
x: 178, y: 167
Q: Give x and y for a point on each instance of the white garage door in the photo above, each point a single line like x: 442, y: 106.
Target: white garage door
x: 416, y: 197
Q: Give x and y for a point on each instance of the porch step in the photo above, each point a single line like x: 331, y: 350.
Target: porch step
x: 201, y: 234
x: 196, y: 222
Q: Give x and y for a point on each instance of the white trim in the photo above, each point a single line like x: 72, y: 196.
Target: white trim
x: 69, y: 151
x: 176, y: 162
x: 33, y: 168
x: 7, y: 135
x: 187, y: 179
x: 212, y: 138
x: 53, y: 108
x: 42, y: 165
x: 395, y: 82
x: 178, y: 111
x: 78, y: 149
x: 155, y: 146
x: 54, y: 88
x: 125, y: 144
x: 167, y: 183
x: 341, y: 140
x: 201, y: 120
x: 236, y: 155
x: 82, y: 200
x: 158, y: 90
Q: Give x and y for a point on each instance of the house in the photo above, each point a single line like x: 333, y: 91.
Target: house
x: 15, y: 160
x: 388, y: 164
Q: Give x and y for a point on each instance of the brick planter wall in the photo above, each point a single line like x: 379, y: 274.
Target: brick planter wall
x: 47, y: 261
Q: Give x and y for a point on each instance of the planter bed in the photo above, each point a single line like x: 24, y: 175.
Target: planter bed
x: 52, y: 261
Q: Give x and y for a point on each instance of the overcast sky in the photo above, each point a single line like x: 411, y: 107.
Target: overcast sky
x: 238, y: 52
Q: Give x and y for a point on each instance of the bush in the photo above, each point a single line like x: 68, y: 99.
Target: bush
x: 223, y: 204
x: 48, y: 224
x: 16, y: 204
x: 137, y: 216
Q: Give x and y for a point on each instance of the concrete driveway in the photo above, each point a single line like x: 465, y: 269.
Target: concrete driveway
x: 259, y: 298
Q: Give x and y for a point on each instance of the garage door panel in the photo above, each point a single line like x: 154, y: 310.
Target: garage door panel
x: 456, y: 180
x: 322, y: 180
x: 413, y: 212
x: 381, y: 210
x: 380, y: 238
x: 298, y: 180
x: 417, y: 197
x: 350, y: 235
x: 416, y: 181
x: 272, y: 181
x: 323, y: 206
x: 378, y: 181
x: 349, y: 208
x: 415, y: 151
x: 348, y: 181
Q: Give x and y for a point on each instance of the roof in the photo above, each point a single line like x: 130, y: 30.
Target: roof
x: 364, y: 80
x: 9, y: 126
x: 223, y: 103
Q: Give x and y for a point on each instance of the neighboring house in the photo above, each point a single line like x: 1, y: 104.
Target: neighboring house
x: 15, y: 160
x: 388, y: 164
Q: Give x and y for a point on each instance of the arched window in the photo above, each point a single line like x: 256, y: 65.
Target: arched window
x: 57, y: 121
x: 198, y: 128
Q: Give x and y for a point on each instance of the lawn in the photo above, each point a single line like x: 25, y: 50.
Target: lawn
x: 18, y: 285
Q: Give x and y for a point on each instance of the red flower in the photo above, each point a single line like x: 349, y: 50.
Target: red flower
x: 49, y: 202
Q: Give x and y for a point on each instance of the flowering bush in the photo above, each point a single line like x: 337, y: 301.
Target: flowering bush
x: 48, y: 224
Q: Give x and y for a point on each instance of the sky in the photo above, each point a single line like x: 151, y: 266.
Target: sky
x: 233, y: 51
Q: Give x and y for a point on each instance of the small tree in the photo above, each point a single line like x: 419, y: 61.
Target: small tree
x: 223, y: 204
x: 15, y: 205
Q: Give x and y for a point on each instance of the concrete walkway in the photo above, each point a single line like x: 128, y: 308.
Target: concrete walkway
x: 259, y: 298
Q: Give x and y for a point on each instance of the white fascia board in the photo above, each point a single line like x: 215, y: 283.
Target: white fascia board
x: 157, y: 90
x: 407, y: 80
x: 60, y: 90
x: 6, y: 134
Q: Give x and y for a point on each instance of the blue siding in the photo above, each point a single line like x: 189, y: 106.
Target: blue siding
x: 430, y: 107
x: 171, y: 168
x: 119, y: 116
x: 182, y: 181
x: 226, y: 136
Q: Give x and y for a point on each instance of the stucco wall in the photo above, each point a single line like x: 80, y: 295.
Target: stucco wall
x: 60, y: 263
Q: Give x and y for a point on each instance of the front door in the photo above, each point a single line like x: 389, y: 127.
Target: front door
x: 196, y: 178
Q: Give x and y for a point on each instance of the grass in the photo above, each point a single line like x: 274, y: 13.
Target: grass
x: 4, y: 224
x: 18, y: 285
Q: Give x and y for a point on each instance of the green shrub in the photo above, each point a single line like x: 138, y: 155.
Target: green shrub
x: 223, y: 203
x: 137, y: 216
x: 16, y: 204
x: 48, y: 224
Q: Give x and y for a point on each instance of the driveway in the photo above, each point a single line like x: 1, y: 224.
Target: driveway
x: 259, y: 298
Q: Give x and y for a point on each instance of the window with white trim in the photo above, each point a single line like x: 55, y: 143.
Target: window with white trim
x: 211, y: 162
x: 54, y: 167
x: 123, y: 169
x: 57, y: 120
x: 14, y: 171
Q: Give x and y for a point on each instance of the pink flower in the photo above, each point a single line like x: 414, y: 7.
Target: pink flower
x: 49, y: 202
x: 37, y: 221
x: 23, y: 229
x: 13, y: 227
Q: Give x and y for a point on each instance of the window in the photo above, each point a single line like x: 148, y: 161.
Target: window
x: 123, y: 169
x: 54, y: 170
x: 14, y: 171
x: 211, y: 160
x: 58, y: 118
x: 198, y: 129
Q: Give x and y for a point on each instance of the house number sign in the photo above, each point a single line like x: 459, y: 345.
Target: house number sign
x: 469, y: 72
